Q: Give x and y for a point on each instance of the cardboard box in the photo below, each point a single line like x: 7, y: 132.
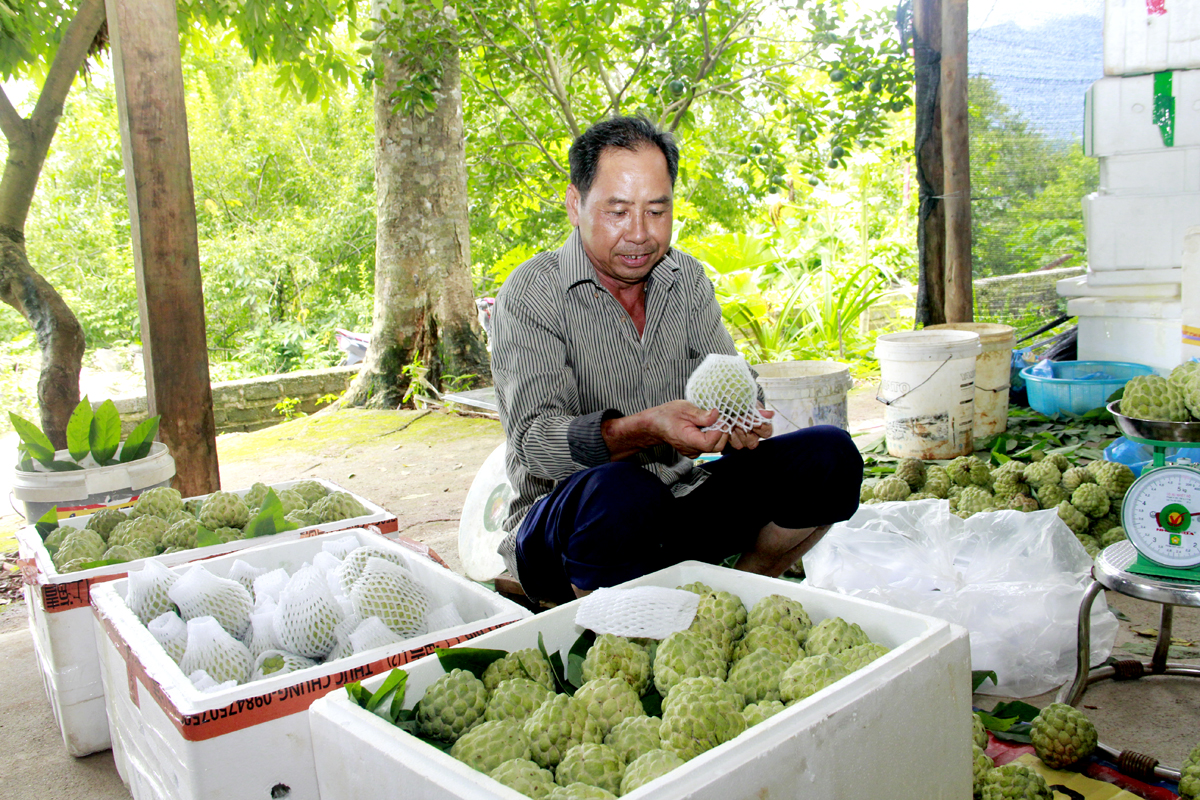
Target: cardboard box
x: 1150, y: 36
x: 173, y: 742
x: 1169, y: 171
x: 1143, y: 114
x: 900, y: 726
x: 60, y: 617
x: 1139, y: 331
x: 1128, y: 232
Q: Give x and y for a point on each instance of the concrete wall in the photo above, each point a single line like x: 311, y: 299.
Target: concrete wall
x: 249, y: 404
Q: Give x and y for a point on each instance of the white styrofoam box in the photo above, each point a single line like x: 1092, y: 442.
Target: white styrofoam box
x: 1079, y: 287
x: 1134, y: 277
x: 1176, y: 169
x: 60, y: 616
x: 174, y: 742
x: 1140, y: 331
x: 1150, y: 36
x: 1131, y: 115
x: 1190, y: 291
x: 1137, y: 231
x: 910, y: 710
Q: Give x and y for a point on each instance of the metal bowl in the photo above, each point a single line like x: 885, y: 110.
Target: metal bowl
x: 1155, y: 429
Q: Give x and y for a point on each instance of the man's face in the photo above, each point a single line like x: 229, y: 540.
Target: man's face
x: 625, y: 220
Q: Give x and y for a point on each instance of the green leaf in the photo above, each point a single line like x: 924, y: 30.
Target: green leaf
x: 1016, y: 708
x: 473, y: 659
x: 358, y: 693
x: 652, y: 702
x: 269, y: 519
x: 62, y: 466
x: 556, y: 668
x: 105, y: 433
x: 37, y: 444
x: 205, y: 537
x: 79, y: 428
x: 576, y: 655
x: 140, y: 440
x: 47, y: 522
x: 978, y: 676
x: 394, y: 682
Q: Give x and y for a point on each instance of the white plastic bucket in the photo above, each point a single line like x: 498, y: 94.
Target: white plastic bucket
x: 928, y: 385
x: 85, y: 491
x: 993, y: 370
x: 805, y: 393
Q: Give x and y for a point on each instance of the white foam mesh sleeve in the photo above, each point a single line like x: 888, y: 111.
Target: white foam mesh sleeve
x: 261, y: 636
x: 269, y: 585
x: 245, y: 574
x: 171, y: 632
x: 372, y: 633
x: 444, y: 617
x: 390, y: 592
x: 342, y: 632
x: 725, y: 383
x: 201, y: 680
x: 352, y: 565
x: 341, y: 547
x: 199, y: 593
x: 326, y: 562
x: 212, y: 649
x: 307, y: 615
x: 278, y: 662
x: 147, y: 595
x: 651, y: 612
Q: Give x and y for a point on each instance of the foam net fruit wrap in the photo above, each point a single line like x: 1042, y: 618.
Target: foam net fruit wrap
x: 199, y: 593
x: 725, y: 383
x: 212, y: 649
x: 147, y: 596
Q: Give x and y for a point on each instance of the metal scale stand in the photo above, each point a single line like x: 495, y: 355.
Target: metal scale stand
x: 1159, y: 563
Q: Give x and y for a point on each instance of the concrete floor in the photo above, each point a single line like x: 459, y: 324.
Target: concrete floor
x: 1157, y: 716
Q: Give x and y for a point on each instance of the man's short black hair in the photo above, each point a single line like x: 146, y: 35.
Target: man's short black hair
x: 628, y: 133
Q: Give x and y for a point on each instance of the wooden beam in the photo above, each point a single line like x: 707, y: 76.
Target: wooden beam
x: 956, y: 155
x: 931, y: 221
x: 158, y: 178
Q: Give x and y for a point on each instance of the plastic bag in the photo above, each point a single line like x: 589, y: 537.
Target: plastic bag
x: 1013, y: 579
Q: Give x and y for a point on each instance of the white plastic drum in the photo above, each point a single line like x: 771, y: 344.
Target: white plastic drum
x: 483, y: 514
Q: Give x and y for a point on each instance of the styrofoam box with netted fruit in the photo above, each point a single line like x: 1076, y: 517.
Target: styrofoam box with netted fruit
x: 899, y: 726
x: 174, y: 742
x: 61, y: 618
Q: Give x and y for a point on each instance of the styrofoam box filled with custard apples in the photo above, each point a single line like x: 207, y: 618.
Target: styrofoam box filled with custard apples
x: 174, y: 740
x: 60, y: 616
x: 899, y: 724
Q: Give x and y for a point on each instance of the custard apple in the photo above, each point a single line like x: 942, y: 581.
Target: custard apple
x: 122, y: 553
x: 55, y: 538
x: 833, y: 635
x: 291, y: 501
x: 1014, y: 782
x: 1050, y: 495
x: 610, y: 701
x: 857, y: 657
x: 767, y: 637
x: 1098, y: 527
x: 311, y: 491
x: 338, y: 506
x: 1112, y: 536
x: 580, y: 791
x: 721, y: 617
x: 351, y: 568
x: 452, y: 705
x: 212, y: 649
x: 698, y: 716
x: 104, y: 520
x: 758, y: 712
x: 1091, y: 545
x: 809, y: 676
x: 143, y: 547
x: 780, y: 612
x: 696, y: 587
x: 1075, y: 477
x: 1008, y: 483
x: 981, y: 763
x: 1022, y: 502
x: 227, y: 535
x: 1062, y: 735
x: 489, y: 744
x: 686, y: 654
x: 1042, y: 473
x: 391, y: 593
x: 559, y: 724
x: 278, y: 662
x: 611, y: 656
x: 937, y: 481
x: 975, y: 499
x: 515, y: 699
x: 1075, y: 519
x: 703, y: 684
x: 255, y: 496
x: 912, y: 472
x: 979, y: 734
x: 1154, y: 397
x: 891, y: 490
x: 80, y: 543
x: 1115, y: 478
x: 592, y: 764
x: 866, y: 491
x: 224, y: 510
x: 178, y: 516
x: 160, y: 502
x: 647, y: 767
x: 757, y: 675
x: 147, y: 527
x: 922, y: 496
x: 969, y: 471
x: 1185, y: 372
x: 302, y: 517
x: 635, y: 736
x: 528, y: 663
x: 525, y: 777
x: 181, y: 534
x: 193, y: 505
x: 1091, y: 499
x: 1189, y: 777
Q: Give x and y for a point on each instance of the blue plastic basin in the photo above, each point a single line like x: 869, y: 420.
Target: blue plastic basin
x: 1070, y: 392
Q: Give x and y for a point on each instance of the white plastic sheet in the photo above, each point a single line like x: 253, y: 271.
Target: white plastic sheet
x: 1014, y: 580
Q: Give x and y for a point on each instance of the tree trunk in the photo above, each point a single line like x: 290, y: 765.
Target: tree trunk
x: 424, y: 302
x: 59, y: 334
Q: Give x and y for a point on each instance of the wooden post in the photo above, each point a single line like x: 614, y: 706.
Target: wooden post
x: 158, y: 178
x: 956, y: 157
x: 931, y: 238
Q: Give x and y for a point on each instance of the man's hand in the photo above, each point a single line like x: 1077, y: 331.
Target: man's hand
x: 677, y: 423
x: 740, y: 438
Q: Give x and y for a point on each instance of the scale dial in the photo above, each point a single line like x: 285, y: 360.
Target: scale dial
x: 1161, y: 515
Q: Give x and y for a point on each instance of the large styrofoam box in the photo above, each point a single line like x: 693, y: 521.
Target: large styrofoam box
x: 910, y: 711
x: 1190, y: 293
x: 1134, y: 277
x: 1173, y: 170
x: 174, y: 742
x: 1079, y: 286
x: 1141, y: 331
x: 60, y: 616
x: 1137, y: 231
x: 1142, y: 114
x: 1150, y: 36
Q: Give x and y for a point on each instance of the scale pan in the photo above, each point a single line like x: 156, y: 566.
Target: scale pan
x: 1154, y: 429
